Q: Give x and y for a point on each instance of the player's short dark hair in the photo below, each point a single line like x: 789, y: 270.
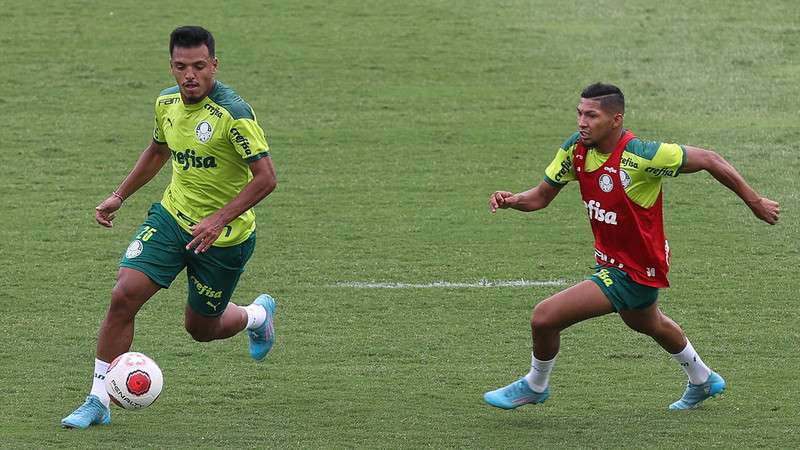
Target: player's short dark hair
x: 190, y: 37
x: 609, y: 96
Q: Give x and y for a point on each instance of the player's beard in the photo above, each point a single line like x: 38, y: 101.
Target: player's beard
x: 196, y: 97
x: 191, y: 99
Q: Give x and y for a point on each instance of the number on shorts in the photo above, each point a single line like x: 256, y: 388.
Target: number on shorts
x: 146, y: 233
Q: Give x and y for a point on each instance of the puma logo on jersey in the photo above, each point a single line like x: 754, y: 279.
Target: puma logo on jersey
x: 596, y: 212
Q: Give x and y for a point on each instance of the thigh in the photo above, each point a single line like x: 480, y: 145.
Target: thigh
x: 580, y: 302
x: 157, y: 249
x: 213, y: 276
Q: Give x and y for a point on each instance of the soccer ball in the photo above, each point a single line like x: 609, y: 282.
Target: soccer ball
x: 134, y: 381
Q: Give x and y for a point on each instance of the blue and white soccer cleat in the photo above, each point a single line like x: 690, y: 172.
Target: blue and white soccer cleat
x: 91, y: 412
x: 515, y: 394
x: 696, y: 393
x: 262, y: 338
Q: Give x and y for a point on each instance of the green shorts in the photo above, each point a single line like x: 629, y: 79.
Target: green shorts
x: 621, y: 290
x: 159, y: 251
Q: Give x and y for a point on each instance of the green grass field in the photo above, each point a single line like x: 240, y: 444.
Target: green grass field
x: 390, y: 123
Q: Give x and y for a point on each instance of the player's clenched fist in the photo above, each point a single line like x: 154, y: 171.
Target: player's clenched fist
x: 501, y: 199
x: 765, y: 209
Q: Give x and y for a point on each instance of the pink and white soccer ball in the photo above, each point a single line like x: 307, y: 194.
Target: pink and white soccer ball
x: 134, y: 381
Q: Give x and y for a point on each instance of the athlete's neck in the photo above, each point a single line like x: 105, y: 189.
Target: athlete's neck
x: 610, y: 143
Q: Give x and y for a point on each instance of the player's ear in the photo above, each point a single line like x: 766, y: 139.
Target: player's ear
x: 618, y: 119
x: 214, y: 64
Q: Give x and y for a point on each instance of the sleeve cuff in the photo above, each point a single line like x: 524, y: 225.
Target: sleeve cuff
x: 553, y: 183
x: 254, y: 158
x: 683, y: 160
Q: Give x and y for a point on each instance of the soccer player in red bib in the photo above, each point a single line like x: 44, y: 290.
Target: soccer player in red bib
x: 620, y: 181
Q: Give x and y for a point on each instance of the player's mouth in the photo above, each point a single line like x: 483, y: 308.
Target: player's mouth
x: 584, y: 134
x: 190, y: 85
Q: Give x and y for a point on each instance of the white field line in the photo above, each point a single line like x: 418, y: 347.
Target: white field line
x: 447, y: 284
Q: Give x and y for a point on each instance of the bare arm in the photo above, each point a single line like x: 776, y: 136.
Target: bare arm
x: 531, y: 200
x: 147, y: 166
x: 263, y: 183
x: 698, y: 159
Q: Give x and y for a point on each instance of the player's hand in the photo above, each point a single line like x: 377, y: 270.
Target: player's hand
x: 501, y: 200
x: 766, y: 210
x: 206, y: 233
x: 105, y: 212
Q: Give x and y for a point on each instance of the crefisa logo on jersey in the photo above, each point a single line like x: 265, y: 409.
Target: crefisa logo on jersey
x: 596, y: 212
x: 606, y: 183
x: 203, y: 131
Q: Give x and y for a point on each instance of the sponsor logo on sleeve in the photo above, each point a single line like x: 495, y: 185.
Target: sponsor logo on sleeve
x: 566, y: 164
x: 243, y: 142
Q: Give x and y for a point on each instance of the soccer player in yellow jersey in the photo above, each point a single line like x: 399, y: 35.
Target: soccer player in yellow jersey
x: 619, y: 177
x: 204, y: 223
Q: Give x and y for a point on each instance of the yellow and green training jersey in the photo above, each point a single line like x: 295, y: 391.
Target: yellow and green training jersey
x: 212, y: 144
x: 644, y: 164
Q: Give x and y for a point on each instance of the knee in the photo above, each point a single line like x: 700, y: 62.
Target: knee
x: 543, y: 318
x: 124, y: 301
